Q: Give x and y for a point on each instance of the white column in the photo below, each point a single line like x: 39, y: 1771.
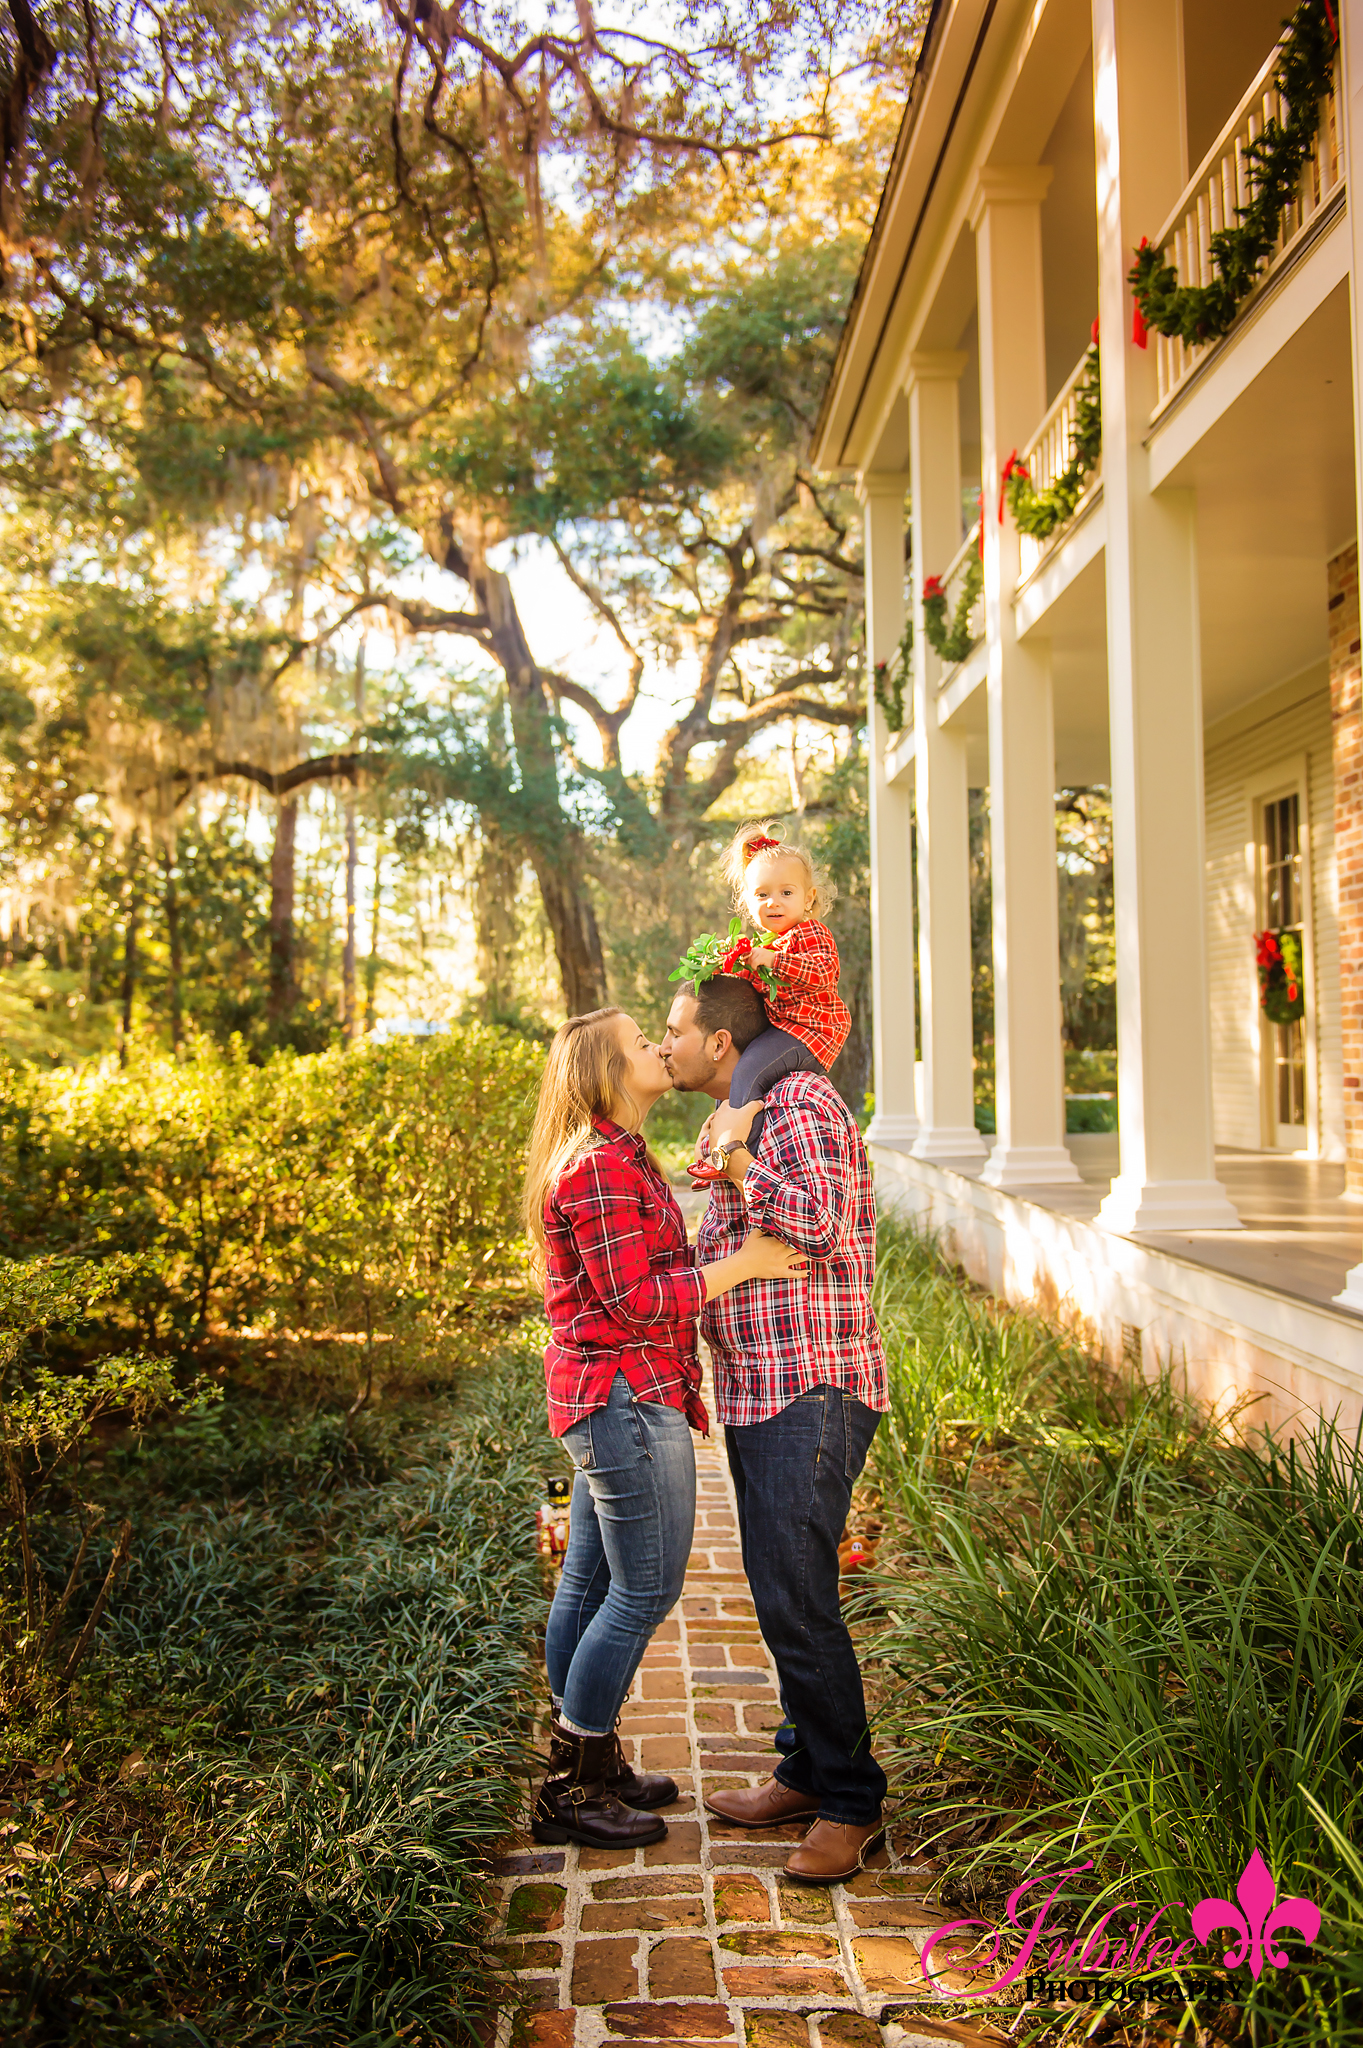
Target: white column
x: 1168, y: 1159
x: 1350, y: 15
x: 1029, y: 1061
x: 941, y: 791
x: 895, y: 1120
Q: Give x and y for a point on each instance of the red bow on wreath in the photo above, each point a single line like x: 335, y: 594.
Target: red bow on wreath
x: 1012, y: 467
x: 739, y: 950
x: 932, y: 588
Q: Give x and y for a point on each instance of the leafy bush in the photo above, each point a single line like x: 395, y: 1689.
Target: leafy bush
x: 362, y: 1191
x: 345, y: 1623
x: 1114, y: 1630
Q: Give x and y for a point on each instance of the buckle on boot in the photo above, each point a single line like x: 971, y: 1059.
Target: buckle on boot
x: 577, y: 1793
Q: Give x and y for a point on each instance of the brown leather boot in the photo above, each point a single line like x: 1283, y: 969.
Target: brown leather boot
x: 833, y: 1851
x: 574, y: 1804
x: 762, y: 1806
x: 644, y: 1789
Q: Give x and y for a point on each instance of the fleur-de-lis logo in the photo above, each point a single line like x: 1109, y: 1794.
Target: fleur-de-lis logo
x: 1259, y: 1921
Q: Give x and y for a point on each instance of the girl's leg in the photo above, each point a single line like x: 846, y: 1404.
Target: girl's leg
x: 584, y: 1579
x: 640, y: 1467
x: 767, y: 1060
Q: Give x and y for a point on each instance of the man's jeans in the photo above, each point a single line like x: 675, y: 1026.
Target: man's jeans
x: 632, y: 1517
x: 793, y: 1476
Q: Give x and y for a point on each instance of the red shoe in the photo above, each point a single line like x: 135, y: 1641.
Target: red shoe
x: 704, y: 1171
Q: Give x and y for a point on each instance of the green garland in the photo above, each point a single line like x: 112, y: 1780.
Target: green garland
x: 1276, y: 159
x: 889, y: 682
x: 1040, y: 512
x: 953, y: 645
x: 721, y: 953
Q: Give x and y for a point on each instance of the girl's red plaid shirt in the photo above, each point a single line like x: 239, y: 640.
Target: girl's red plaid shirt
x: 622, y: 1290
x: 773, y: 1340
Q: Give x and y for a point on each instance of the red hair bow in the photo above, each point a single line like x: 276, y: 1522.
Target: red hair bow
x: 761, y: 843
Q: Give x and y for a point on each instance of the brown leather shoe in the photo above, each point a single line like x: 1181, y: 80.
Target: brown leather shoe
x: 762, y: 1806
x: 833, y: 1851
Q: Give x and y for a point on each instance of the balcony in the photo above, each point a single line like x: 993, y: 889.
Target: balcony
x: 1047, y: 456
x: 1213, y: 197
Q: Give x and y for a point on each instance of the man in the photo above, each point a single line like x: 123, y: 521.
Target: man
x: 800, y: 1388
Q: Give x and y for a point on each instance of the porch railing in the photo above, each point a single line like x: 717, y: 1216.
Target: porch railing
x: 952, y: 581
x: 1222, y: 185
x: 1049, y: 452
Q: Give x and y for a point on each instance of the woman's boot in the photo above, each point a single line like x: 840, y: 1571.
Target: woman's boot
x: 575, y: 1804
x: 644, y: 1789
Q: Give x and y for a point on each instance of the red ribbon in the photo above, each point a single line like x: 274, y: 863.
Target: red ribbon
x: 1139, y: 331
x: 979, y: 502
x: 1012, y: 467
x: 1330, y: 17
x: 932, y: 588
x: 759, y: 843
x: 1093, y: 331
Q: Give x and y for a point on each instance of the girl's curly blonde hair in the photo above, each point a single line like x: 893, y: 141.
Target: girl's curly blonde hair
x: 755, y: 842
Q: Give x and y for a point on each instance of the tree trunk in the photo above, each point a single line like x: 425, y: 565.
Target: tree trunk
x: 552, y: 842
x: 371, y: 965
x: 129, y: 968
x: 350, y: 1017
x: 494, y: 916
x: 283, y: 985
x: 172, y: 909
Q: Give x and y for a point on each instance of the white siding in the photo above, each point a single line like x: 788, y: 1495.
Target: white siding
x: 1290, y: 721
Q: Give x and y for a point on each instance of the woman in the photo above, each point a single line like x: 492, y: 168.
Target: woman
x: 622, y: 1291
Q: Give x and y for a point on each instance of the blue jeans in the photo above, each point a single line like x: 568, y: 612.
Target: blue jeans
x: 772, y: 1055
x: 793, y: 1476
x: 632, y: 1517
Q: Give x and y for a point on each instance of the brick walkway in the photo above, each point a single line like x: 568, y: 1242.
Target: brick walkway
x: 699, y: 1938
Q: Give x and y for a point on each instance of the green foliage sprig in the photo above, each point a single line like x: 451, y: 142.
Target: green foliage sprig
x: 954, y: 643
x: 1038, y: 513
x: 721, y: 953
x: 1275, y: 161
x: 892, y: 678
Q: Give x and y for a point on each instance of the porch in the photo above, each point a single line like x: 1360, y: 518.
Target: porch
x: 1240, y: 1312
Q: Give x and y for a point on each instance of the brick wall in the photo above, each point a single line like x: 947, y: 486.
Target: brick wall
x: 1346, y: 706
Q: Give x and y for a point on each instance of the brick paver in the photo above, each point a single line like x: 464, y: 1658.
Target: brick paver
x: 699, y: 1939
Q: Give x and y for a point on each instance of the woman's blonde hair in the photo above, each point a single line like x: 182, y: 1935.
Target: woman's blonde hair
x: 584, y: 1077
x: 759, y: 842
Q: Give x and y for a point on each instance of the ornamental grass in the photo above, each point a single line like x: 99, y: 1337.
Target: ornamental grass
x: 1110, y: 1627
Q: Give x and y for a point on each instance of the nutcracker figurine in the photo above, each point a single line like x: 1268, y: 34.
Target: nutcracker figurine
x: 551, y: 1520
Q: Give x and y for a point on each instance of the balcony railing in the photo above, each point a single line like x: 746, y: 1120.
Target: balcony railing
x: 1048, y: 454
x: 952, y: 581
x: 1222, y: 185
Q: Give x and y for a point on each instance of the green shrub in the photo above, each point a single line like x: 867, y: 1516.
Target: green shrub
x: 363, y: 1191
x: 1109, y: 1629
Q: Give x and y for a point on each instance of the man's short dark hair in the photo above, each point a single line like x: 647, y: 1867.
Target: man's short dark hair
x: 728, y: 1003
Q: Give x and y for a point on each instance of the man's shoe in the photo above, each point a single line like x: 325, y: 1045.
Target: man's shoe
x: 645, y: 1789
x: 762, y: 1806
x: 833, y: 1851
x: 575, y: 1805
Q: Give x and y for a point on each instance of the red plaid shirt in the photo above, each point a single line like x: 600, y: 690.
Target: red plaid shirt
x: 773, y: 1340
x: 807, y: 1003
x: 621, y: 1290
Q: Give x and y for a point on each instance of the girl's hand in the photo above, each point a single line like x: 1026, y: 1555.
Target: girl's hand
x: 770, y: 1259
x: 762, y: 956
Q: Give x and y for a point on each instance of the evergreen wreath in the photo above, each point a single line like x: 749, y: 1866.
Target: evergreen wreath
x: 891, y: 679
x: 722, y: 953
x: 1275, y: 161
x: 953, y: 645
x: 1282, y: 989
x: 1040, y: 512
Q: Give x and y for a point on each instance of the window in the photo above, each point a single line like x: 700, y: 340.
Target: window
x: 1284, y: 911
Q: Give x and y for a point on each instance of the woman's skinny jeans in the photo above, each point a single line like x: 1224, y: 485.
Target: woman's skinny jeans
x: 633, y: 1513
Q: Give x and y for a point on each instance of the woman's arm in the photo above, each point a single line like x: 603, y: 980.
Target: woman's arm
x: 759, y: 1257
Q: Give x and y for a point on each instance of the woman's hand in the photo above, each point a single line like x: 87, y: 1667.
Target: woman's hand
x: 771, y: 1258
x: 726, y: 1126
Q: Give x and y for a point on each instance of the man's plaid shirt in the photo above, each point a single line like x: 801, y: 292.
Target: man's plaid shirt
x: 621, y: 1289
x: 811, y: 1185
x: 807, y: 1003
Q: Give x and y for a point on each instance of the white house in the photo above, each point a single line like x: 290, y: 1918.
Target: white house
x: 1188, y: 633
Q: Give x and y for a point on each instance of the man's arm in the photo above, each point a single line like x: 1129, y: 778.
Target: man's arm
x: 798, y: 1190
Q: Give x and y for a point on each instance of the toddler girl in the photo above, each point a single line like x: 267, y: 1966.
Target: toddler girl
x: 777, y: 885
